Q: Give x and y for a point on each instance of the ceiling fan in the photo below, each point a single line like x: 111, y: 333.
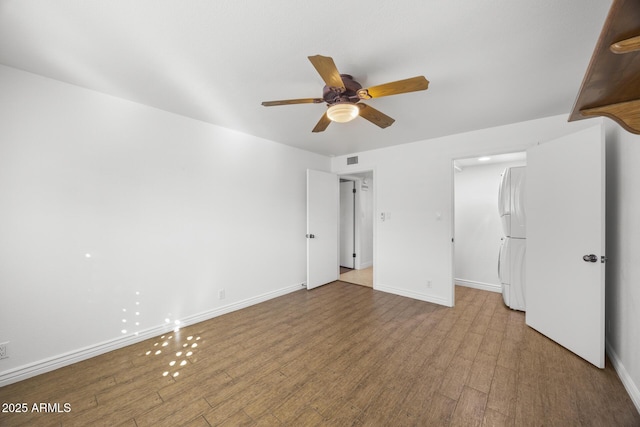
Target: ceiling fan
x: 343, y: 94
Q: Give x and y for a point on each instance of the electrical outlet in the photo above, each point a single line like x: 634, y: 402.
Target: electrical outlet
x: 4, y: 350
x: 221, y: 294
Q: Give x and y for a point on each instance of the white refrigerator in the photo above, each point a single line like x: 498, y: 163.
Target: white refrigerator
x: 511, y: 260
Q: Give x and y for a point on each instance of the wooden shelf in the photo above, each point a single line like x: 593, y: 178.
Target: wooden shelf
x: 611, y: 86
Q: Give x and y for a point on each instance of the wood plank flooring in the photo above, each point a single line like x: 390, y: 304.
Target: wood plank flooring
x: 362, y: 277
x: 339, y: 355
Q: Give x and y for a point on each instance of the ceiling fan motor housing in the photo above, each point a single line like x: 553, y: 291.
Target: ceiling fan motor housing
x: 332, y: 95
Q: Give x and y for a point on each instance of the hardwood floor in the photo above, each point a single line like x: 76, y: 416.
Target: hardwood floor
x: 338, y: 355
x: 362, y: 277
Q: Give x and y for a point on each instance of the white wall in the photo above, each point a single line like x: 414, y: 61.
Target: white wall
x: 414, y: 183
x: 623, y: 252
x: 478, y: 229
x: 171, y: 211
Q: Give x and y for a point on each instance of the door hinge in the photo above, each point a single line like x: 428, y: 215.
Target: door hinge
x: 354, y: 255
x: 354, y: 191
x: 603, y: 259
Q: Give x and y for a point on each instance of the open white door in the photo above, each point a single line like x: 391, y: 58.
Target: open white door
x: 566, y: 242
x: 322, y: 228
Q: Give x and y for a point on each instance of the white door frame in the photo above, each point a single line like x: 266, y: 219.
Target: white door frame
x: 347, y: 174
x: 453, y: 206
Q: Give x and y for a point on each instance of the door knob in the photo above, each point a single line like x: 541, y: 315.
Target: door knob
x: 590, y: 258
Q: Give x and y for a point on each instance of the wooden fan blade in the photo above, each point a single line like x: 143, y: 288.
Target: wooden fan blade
x: 327, y: 69
x: 394, y: 88
x: 322, y: 124
x: 293, y: 101
x: 374, y: 116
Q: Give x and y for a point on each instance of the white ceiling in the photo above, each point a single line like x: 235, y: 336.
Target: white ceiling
x: 489, y: 62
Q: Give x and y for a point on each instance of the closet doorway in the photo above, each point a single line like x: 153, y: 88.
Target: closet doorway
x: 477, y: 223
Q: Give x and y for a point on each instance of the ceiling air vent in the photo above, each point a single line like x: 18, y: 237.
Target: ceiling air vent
x: 352, y: 160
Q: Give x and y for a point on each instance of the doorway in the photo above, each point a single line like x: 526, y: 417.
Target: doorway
x: 478, y: 232
x: 347, y: 225
x: 356, y: 228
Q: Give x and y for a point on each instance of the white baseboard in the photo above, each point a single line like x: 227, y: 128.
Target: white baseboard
x: 59, y: 361
x: 627, y: 381
x: 479, y: 285
x: 365, y: 264
x: 414, y: 295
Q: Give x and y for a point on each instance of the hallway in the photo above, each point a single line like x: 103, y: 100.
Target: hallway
x: 362, y: 277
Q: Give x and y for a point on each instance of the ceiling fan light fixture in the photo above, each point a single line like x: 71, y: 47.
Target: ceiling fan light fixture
x: 343, y: 112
